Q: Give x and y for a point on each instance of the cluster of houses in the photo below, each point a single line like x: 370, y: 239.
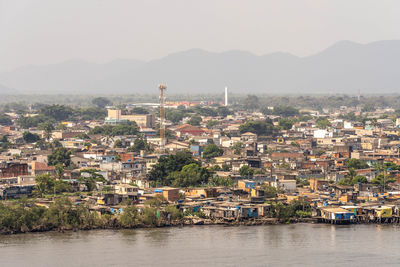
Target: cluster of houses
x: 305, y: 162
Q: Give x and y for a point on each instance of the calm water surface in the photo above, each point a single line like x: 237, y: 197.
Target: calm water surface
x: 275, y: 245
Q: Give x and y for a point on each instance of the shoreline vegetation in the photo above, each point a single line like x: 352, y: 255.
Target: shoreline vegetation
x: 23, y: 216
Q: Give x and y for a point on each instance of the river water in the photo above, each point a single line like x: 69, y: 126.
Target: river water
x: 271, y: 245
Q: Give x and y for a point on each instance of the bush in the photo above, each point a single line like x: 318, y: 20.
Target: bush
x: 175, y: 213
x: 149, y: 217
x: 129, y: 217
x: 303, y: 214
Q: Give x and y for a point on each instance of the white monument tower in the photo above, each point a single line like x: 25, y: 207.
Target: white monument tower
x: 226, y: 96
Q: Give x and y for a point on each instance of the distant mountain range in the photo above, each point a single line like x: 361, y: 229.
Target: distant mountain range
x: 344, y: 67
x: 6, y: 90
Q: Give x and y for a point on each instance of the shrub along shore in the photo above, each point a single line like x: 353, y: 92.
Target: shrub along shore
x: 61, y: 215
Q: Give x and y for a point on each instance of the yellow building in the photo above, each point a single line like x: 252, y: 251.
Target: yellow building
x: 201, y: 192
x: 383, y: 212
x: 115, y: 116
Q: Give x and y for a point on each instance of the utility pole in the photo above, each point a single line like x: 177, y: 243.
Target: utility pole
x: 162, y: 88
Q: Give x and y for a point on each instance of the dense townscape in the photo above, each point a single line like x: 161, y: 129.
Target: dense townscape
x: 107, y: 165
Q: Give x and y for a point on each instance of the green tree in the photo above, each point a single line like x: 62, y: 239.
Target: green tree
x: 246, y: 170
x: 139, y: 144
x: 195, y: 120
x: 391, y: 166
x: 226, y: 167
x: 139, y: 110
x: 323, y: 123
x: 48, y: 128
x: 266, y: 111
x: 285, y: 111
x: 60, y: 156
x: 59, y: 171
x: 356, y: 164
x: 368, y: 107
x: 44, y: 184
x: 237, y: 148
x: 118, y: 144
x: 285, y: 124
x: 5, y: 120
x: 101, y: 102
x: 92, y: 113
x: 304, y: 117
x: 4, y: 143
x: 351, y: 173
x: 269, y: 191
x: 216, y: 168
x: 223, y: 111
x: 89, y: 177
x: 383, y: 180
x: 149, y: 217
x: 174, y: 212
x: 29, y: 122
x: 344, y: 181
x: 190, y: 175
x: 351, y: 116
x: 61, y: 127
x: 221, y: 181
x: 30, y: 137
x: 348, y: 178
x: 62, y: 186
x: 125, y: 129
x: 175, y: 115
x: 156, y: 202
x: 211, y: 151
x: 121, y: 129
x: 258, y: 127
x: 57, y: 112
x: 169, y: 164
x: 129, y: 217
x: 212, y: 123
x: 251, y: 103
x: 359, y: 179
x: 82, y: 136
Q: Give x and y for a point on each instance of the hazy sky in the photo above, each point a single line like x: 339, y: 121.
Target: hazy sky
x: 51, y: 31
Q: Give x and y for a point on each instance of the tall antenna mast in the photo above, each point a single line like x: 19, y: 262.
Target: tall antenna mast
x: 162, y: 88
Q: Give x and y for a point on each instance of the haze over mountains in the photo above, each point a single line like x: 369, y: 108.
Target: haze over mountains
x: 344, y: 67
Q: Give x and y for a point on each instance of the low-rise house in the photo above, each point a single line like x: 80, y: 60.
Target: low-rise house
x: 248, y: 137
x: 189, y: 130
x: 13, y: 169
x: 126, y: 190
x: 175, y: 146
x: 287, y: 156
x: 288, y: 186
x: 38, y: 168
x: 201, y: 192
x: 169, y: 193
x: 337, y: 215
x: 246, y: 185
x: 16, y: 191
x: 318, y: 184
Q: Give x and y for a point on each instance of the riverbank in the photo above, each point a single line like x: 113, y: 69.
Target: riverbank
x: 64, y: 214
x: 113, y: 224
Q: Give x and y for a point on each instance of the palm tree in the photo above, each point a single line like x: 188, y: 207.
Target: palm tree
x: 48, y: 128
x: 351, y: 173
